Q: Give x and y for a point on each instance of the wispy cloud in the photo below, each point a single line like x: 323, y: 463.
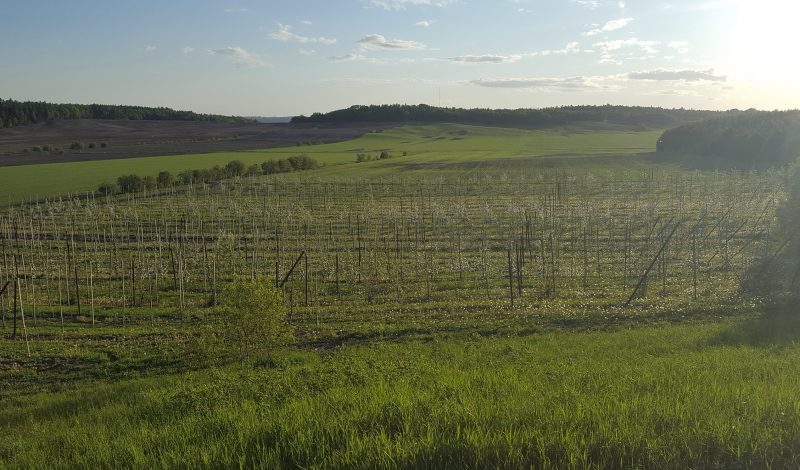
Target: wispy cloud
x: 595, y: 4
x: 376, y: 41
x: 345, y: 57
x: 565, y: 84
x: 150, y: 48
x: 614, y: 52
x: 239, y: 56
x: 236, y: 10
x: 680, y: 46
x: 424, y: 23
x: 285, y: 34
x: 675, y: 75
x: 571, y: 48
x: 187, y: 51
x: 609, y: 26
x: 402, y: 4
x: 486, y: 59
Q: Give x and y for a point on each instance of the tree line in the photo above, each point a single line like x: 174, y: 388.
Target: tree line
x: 21, y: 113
x: 743, y: 140
x: 135, y: 183
x: 544, y: 117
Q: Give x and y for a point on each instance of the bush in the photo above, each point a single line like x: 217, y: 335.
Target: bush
x: 76, y: 146
x: 164, y: 179
x: 269, y: 167
x: 253, y: 170
x: 257, y: 323
x: 107, y: 189
x: 130, y: 183
x: 92, y: 146
x: 385, y: 155
x: 234, y: 168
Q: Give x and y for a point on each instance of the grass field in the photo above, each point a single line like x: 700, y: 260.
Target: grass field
x: 423, y: 144
x: 493, y: 299
x: 701, y: 395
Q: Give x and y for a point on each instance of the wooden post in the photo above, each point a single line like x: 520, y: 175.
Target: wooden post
x: 510, y: 279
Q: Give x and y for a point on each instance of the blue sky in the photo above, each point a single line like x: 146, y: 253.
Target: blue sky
x: 287, y: 57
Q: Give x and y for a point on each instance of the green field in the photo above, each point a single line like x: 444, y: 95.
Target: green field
x: 423, y: 144
x: 493, y: 299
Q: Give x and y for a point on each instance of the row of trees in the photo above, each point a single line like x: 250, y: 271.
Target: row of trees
x: 544, y: 117
x: 744, y: 140
x: 19, y: 113
x: 134, y: 183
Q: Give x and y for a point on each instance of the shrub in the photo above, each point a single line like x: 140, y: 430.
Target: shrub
x: 130, y: 183
x: 234, y: 168
x: 257, y: 323
x: 164, y: 179
x: 107, y: 189
x: 76, y: 146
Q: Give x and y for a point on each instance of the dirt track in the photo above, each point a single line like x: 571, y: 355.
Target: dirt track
x: 130, y: 139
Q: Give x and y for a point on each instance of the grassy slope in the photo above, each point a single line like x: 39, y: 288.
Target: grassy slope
x: 698, y: 396
x: 424, y: 144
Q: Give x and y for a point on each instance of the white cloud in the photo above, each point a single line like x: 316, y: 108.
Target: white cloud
x: 424, y: 23
x: 593, y: 4
x: 307, y: 51
x: 571, y: 48
x: 616, y: 51
x: 284, y: 34
x: 306, y: 22
x: 564, y: 84
x: 486, y: 59
x: 402, y: 4
x: 674, y: 75
x: 612, y: 25
x: 240, y: 56
x: 376, y: 41
x: 188, y: 50
x: 350, y: 56
x: 680, y: 46
x: 150, y: 48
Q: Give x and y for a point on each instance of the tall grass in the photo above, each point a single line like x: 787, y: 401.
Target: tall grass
x: 658, y: 397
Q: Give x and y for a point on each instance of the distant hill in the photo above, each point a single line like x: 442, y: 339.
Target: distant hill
x: 20, y: 113
x: 644, y: 117
x: 270, y: 119
x: 739, y: 139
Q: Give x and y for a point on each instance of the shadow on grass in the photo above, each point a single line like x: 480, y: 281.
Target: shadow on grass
x: 778, y: 326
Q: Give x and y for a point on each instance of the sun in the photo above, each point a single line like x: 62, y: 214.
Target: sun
x: 762, y: 45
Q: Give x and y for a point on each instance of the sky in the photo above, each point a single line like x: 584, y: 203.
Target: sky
x: 291, y: 57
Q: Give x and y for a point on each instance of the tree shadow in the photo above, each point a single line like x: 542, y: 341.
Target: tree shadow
x: 778, y: 326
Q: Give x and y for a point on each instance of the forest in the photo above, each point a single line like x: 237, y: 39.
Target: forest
x: 20, y: 113
x: 641, y: 117
x: 741, y: 140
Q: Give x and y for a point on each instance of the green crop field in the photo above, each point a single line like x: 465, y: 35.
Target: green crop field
x: 492, y: 298
x: 423, y: 144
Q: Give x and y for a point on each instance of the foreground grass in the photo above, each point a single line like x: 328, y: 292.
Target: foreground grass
x: 441, y: 143
x: 699, y: 396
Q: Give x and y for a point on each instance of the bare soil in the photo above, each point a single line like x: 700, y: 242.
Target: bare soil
x: 131, y: 139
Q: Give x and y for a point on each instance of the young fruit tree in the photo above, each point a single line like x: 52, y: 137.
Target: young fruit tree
x: 258, y: 323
